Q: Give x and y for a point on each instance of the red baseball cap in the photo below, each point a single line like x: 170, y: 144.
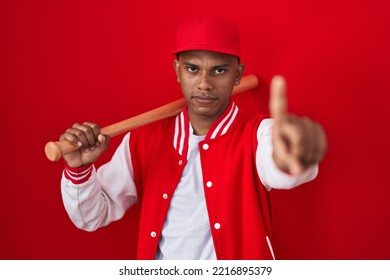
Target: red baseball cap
x: 208, y: 33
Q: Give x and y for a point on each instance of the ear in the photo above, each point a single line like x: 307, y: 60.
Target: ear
x: 240, y: 72
x: 176, y: 65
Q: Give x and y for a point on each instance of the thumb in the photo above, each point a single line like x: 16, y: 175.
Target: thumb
x: 278, y: 100
x: 104, y: 142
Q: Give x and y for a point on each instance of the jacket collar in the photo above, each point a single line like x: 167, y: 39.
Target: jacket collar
x: 220, y: 127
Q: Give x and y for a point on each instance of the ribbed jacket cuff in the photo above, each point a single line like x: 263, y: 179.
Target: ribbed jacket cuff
x: 78, y: 175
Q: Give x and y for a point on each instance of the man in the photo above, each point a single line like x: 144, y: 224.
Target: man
x: 203, y: 176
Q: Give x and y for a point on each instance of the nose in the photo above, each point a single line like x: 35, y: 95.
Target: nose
x: 204, y: 82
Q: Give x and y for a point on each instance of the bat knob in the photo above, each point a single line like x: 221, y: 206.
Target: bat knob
x: 53, y: 151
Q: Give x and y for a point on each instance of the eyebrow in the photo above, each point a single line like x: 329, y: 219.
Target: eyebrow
x: 214, y: 67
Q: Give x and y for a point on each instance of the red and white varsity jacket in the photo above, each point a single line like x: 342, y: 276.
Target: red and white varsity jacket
x: 237, y: 202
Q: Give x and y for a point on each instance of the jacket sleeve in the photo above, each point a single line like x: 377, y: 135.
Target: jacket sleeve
x: 270, y: 175
x: 93, y: 198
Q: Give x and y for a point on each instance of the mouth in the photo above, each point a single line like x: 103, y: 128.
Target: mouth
x: 204, y: 99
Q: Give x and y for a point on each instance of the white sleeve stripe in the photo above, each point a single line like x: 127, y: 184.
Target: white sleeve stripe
x: 79, y: 174
x: 78, y: 178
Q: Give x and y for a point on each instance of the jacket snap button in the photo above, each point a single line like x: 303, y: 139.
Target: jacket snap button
x: 153, y: 234
x: 209, y: 184
x: 217, y: 225
x: 180, y: 162
x: 165, y: 196
x: 205, y: 146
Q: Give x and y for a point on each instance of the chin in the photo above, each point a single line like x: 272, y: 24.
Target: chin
x: 207, y: 111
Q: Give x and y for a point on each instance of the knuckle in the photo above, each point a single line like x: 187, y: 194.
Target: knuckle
x: 86, y: 129
x: 94, y: 126
x: 79, y: 133
x: 69, y: 136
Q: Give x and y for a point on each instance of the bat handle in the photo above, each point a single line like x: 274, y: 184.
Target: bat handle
x: 55, y: 150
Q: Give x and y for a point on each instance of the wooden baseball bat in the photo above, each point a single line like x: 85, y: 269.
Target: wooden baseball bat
x: 55, y: 150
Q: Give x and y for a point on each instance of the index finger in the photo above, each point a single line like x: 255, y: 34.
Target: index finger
x: 278, y: 99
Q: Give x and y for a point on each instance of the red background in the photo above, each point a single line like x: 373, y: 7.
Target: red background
x: 71, y: 61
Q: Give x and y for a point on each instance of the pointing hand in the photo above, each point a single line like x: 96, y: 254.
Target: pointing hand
x: 298, y: 142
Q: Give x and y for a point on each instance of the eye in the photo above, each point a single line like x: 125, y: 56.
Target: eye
x: 219, y: 71
x: 192, y: 69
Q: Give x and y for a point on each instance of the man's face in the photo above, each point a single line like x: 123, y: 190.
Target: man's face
x: 207, y: 80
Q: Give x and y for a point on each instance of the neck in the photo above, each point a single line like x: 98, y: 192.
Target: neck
x: 202, y: 121
x: 201, y: 125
